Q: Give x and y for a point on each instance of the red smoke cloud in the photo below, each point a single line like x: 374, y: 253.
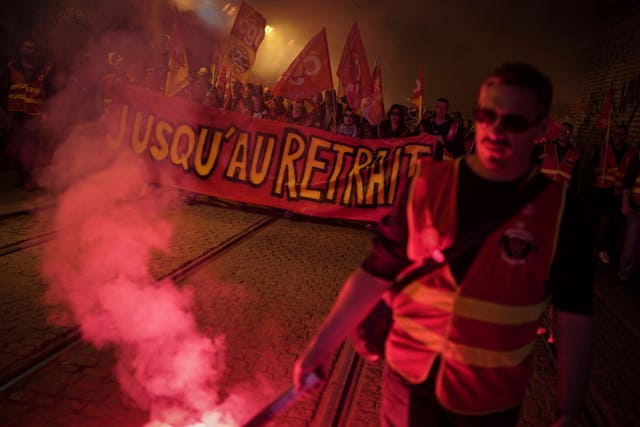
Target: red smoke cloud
x: 100, y: 271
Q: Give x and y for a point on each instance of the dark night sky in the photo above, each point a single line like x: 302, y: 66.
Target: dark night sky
x: 458, y: 42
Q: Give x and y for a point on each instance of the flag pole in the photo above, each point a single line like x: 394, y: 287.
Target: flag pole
x: 334, y: 98
x: 606, y: 147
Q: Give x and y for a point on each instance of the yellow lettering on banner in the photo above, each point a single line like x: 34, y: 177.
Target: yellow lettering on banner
x: 239, y: 160
x: 287, y: 169
x: 376, y: 180
x: 355, y: 175
x: 311, y: 164
x: 161, y: 149
x: 181, y: 157
x: 395, y: 171
x: 213, y: 144
x: 415, y: 151
x: 261, y: 159
x: 341, y: 151
x: 140, y: 144
x: 115, y: 143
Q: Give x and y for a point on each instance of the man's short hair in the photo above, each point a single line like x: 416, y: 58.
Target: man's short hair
x: 525, y: 76
x: 445, y: 100
x: 567, y: 124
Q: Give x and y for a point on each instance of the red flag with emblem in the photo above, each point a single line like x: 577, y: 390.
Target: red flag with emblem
x: 309, y: 73
x: 242, y: 45
x: 373, y: 105
x: 353, y: 70
x: 178, y: 73
x: 605, y: 110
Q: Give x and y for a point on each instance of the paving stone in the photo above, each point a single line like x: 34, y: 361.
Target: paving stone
x: 267, y: 296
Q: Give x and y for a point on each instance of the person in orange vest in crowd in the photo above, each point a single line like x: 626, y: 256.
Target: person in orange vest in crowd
x: 447, y: 131
x: 459, y: 347
x: 610, y: 163
x: 559, y: 157
x: 25, y: 86
x: 631, y: 209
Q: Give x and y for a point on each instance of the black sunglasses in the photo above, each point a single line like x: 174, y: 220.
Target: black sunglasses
x: 394, y: 113
x: 510, y: 122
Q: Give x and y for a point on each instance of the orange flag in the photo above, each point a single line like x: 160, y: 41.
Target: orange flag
x: 353, y: 70
x: 309, y: 73
x: 373, y: 105
x: 605, y: 110
x: 416, y: 95
x: 178, y: 73
x: 246, y: 35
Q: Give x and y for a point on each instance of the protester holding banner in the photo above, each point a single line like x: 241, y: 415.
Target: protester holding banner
x: 237, y: 102
x: 394, y: 125
x: 277, y: 109
x: 321, y: 112
x: 257, y: 107
x: 348, y: 127
x: 458, y: 352
x: 201, y: 86
x: 447, y: 132
x: 298, y: 113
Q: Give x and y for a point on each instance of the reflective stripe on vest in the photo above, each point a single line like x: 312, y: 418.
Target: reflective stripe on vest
x: 26, y: 97
x: 483, y: 328
x: 558, y: 171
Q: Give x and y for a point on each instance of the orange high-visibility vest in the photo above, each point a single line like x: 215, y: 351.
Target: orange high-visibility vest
x: 484, y: 328
x: 27, y: 96
x: 559, y: 171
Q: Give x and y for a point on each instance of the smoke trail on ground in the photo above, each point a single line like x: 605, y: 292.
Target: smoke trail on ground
x: 101, y: 272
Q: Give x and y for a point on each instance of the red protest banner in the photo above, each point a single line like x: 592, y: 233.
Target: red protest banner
x: 233, y: 156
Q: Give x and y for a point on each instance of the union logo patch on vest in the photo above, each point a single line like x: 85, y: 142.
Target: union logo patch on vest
x: 517, y: 243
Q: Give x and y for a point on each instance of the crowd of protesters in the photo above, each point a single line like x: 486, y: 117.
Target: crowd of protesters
x: 611, y: 170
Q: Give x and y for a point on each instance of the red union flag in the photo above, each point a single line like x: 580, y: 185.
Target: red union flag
x: 416, y: 95
x: 246, y: 35
x: 373, y: 105
x: 353, y: 70
x: 605, y: 110
x: 309, y: 73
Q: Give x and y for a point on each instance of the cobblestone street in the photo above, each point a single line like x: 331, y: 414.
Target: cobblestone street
x: 266, y: 294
